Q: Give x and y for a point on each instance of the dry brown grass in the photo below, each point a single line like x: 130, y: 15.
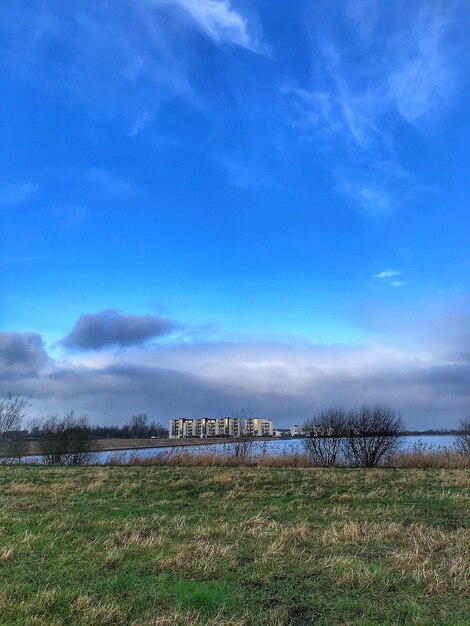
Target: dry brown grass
x: 418, y: 458
x: 199, y: 559
x: 428, y: 458
x: 234, y: 546
x: 199, y: 458
x: 6, y: 554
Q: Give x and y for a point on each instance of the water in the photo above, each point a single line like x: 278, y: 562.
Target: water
x: 274, y: 447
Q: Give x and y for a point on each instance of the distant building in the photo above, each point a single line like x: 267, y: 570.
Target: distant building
x: 232, y: 426
x: 296, y: 431
x: 205, y: 427
x: 257, y: 427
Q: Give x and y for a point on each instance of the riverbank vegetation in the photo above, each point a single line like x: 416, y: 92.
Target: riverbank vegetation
x: 244, y: 546
x: 419, y: 456
x: 369, y: 436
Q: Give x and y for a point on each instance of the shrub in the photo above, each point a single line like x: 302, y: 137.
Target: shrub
x: 66, y: 440
x: 462, y: 440
x: 13, y: 412
x: 373, y: 435
x: 324, y: 436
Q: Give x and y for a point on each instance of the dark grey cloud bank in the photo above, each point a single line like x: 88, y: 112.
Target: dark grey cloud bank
x: 111, y: 328
x: 285, y: 381
x: 21, y: 354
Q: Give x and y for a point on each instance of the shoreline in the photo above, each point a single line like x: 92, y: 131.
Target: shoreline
x: 121, y: 444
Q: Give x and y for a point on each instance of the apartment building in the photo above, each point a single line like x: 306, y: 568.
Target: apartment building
x: 220, y: 427
x: 257, y: 427
x: 201, y: 427
x: 232, y: 426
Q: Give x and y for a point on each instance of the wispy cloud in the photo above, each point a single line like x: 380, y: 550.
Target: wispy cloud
x: 16, y: 193
x: 249, y: 173
x: 424, y: 74
x: 377, y: 67
x: 386, y: 274
x: 221, y: 22
x: 19, y: 260
x: 146, y: 55
x: 368, y: 195
x: 390, y: 278
x: 111, y: 185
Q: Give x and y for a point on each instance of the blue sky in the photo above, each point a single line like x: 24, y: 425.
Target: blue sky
x: 208, y: 205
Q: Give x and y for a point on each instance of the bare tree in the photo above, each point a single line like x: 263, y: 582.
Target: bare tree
x: 373, y: 435
x: 242, y: 446
x: 66, y: 440
x: 13, y: 412
x: 138, y: 426
x: 157, y: 430
x: 462, y: 439
x: 324, y: 436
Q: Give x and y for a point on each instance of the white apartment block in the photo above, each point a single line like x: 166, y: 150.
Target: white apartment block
x: 220, y: 427
x: 296, y: 431
x: 257, y: 427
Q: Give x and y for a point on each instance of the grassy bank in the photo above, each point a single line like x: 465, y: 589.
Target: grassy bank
x: 170, y: 546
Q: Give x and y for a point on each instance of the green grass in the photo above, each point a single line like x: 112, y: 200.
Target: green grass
x: 150, y: 546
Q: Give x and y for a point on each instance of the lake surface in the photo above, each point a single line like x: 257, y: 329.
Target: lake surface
x: 274, y: 447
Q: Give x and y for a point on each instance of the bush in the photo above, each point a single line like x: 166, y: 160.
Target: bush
x: 373, y: 435
x: 462, y: 440
x: 13, y: 412
x: 324, y: 437
x: 66, y: 440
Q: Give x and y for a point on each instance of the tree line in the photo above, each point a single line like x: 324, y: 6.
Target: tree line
x: 67, y: 439
x: 363, y: 437
x: 139, y: 427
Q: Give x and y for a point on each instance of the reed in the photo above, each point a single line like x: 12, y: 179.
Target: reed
x: 419, y: 457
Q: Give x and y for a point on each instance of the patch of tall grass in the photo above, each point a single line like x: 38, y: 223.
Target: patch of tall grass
x: 419, y: 456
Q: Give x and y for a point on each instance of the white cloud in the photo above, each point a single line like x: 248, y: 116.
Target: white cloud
x: 386, y: 274
x: 389, y: 277
x: 283, y: 381
x: 373, y: 200
x: 424, y: 76
x: 220, y: 21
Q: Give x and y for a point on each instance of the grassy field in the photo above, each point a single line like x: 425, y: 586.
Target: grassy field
x: 153, y: 546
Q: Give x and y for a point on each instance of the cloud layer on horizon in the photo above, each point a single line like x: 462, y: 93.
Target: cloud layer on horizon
x: 286, y: 380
